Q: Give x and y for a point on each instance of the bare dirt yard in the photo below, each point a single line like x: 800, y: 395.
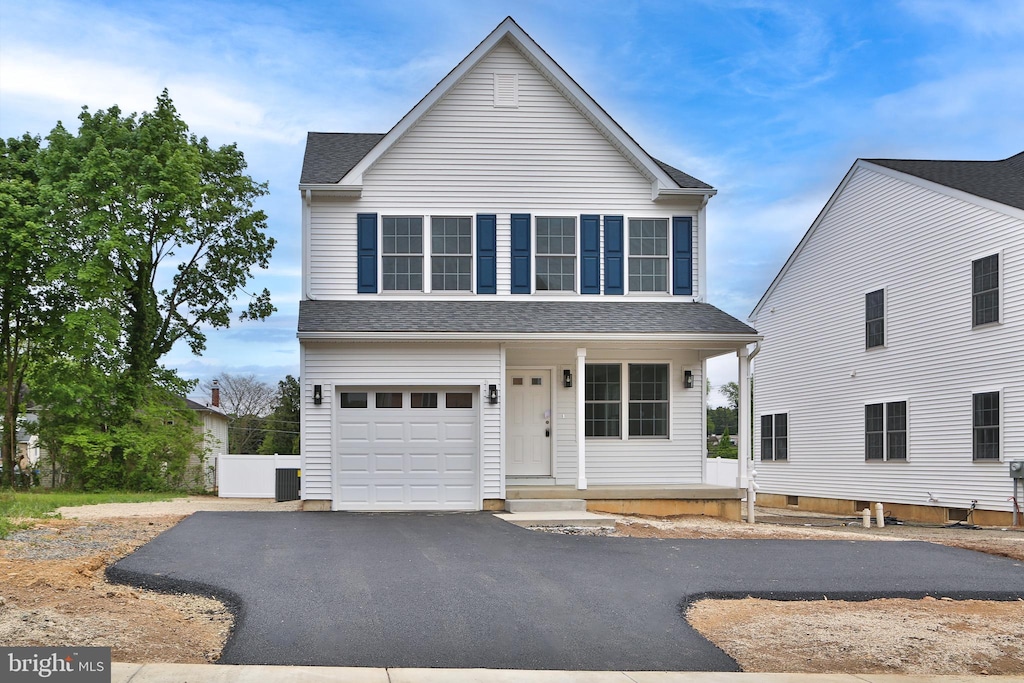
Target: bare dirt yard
x: 930, y: 636
x: 53, y: 592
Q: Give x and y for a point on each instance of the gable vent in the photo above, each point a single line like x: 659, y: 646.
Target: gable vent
x: 506, y: 90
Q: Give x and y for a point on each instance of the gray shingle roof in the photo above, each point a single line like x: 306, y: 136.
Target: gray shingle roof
x: 500, y: 317
x: 1001, y: 181
x: 329, y: 156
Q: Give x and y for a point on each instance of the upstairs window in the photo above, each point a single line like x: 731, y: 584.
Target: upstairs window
x: 775, y: 437
x: 874, y: 318
x: 986, y: 426
x: 885, y: 431
x: 556, y: 254
x: 648, y: 255
x: 402, y: 253
x: 985, y: 290
x: 451, y: 262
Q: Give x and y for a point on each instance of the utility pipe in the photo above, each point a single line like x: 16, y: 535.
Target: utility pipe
x: 879, y: 515
x: 866, y: 518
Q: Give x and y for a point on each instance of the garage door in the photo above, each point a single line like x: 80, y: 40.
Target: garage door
x: 408, y: 450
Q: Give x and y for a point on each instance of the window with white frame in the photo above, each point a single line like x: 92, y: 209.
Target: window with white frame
x: 556, y: 254
x: 874, y: 319
x: 402, y: 253
x: 647, y: 400
x: 775, y: 437
x: 602, y: 393
x: 885, y: 431
x: 648, y: 255
x: 986, y: 425
x: 985, y: 290
x: 451, y: 253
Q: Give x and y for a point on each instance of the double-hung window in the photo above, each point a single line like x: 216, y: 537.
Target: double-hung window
x: 556, y: 254
x: 646, y: 394
x: 648, y: 255
x: 985, y: 290
x: 874, y: 319
x: 885, y: 431
x: 451, y: 253
x: 402, y: 253
x: 775, y: 437
x: 986, y: 425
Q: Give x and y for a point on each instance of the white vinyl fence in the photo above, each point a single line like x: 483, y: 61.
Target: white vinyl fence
x: 723, y: 472
x: 251, y: 476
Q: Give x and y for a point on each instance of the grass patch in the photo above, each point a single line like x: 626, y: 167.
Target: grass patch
x: 16, y: 506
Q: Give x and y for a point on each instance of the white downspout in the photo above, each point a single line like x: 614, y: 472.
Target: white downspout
x: 702, y: 246
x: 307, y: 213
x: 745, y: 449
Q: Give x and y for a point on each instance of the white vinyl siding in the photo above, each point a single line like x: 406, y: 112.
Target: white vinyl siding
x: 921, y: 244
x: 466, y: 157
x: 362, y: 366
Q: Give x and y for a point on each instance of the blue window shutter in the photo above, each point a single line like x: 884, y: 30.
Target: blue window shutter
x: 366, y: 248
x: 682, y: 255
x: 486, y: 254
x: 613, y: 255
x: 520, y: 253
x: 590, y: 254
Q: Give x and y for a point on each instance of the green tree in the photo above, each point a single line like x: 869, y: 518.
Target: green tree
x: 725, y: 448
x: 165, y: 229
x: 731, y: 391
x: 281, y: 428
x: 29, y: 311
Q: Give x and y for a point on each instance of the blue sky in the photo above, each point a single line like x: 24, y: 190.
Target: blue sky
x: 770, y: 102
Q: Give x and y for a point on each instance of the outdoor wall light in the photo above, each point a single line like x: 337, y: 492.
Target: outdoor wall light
x: 687, y: 379
x: 492, y: 394
x: 318, y: 394
x: 567, y: 378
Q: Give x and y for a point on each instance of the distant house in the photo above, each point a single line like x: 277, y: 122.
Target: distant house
x: 892, y: 368
x: 503, y: 292
x: 214, y: 428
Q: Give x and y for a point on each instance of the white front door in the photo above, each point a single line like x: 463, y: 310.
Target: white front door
x: 528, y: 423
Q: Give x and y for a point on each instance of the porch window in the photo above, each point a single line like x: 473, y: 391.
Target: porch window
x: 451, y: 261
x: 556, y: 254
x: 648, y: 401
x: 402, y: 253
x: 602, y: 394
x: 648, y: 255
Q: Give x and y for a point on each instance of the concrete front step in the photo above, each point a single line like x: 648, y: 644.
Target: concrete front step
x: 558, y: 518
x: 546, y: 505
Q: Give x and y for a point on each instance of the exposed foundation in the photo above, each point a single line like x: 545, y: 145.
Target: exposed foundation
x: 926, y: 514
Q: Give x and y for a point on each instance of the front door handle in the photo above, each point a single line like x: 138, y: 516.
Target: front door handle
x: 547, y: 432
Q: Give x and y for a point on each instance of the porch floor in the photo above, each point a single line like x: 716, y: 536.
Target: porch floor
x: 638, y: 492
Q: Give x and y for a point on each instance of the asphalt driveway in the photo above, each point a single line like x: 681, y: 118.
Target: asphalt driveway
x: 469, y: 590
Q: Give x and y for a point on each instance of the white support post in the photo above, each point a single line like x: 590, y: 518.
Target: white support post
x: 743, y: 410
x: 581, y: 439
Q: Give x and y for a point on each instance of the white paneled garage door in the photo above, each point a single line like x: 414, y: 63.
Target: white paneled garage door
x: 407, y: 449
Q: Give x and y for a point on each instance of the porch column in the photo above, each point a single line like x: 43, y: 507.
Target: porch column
x: 743, y: 410
x: 581, y: 438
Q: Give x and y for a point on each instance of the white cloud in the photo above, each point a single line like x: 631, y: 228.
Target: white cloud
x: 1003, y: 18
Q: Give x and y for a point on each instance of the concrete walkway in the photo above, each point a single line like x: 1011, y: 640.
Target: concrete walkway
x: 215, y: 673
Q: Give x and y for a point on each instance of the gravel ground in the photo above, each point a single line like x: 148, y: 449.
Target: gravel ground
x: 177, y: 506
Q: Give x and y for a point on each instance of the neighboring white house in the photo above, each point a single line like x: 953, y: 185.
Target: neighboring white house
x: 892, y: 366
x: 214, y: 428
x: 504, y: 289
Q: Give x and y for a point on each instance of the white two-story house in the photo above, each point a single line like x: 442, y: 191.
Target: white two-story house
x: 892, y: 368
x: 503, y: 290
